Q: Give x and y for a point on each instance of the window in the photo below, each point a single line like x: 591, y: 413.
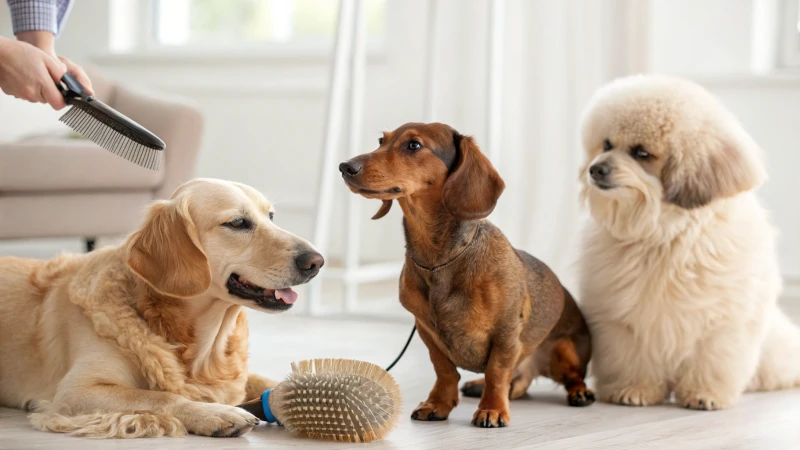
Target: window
x: 790, y: 34
x: 223, y: 23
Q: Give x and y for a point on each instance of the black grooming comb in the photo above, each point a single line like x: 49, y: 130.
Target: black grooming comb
x: 107, y: 128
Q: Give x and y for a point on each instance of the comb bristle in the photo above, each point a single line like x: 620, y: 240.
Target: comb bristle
x: 91, y: 126
x: 338, y: 400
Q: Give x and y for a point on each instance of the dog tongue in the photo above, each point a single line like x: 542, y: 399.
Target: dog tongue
x: 287, y: 295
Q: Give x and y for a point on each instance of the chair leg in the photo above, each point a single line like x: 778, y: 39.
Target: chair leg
x: 89, y: 244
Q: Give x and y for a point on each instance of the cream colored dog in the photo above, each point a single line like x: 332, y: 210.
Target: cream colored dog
x: 679, y: 273
x: 150, y: 338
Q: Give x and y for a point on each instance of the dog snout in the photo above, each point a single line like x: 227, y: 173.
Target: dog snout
x: 600, y: 171
x: 350, y: 167
x: 309, y: 263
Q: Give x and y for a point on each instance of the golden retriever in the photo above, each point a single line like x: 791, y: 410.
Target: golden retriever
x: 150, y: 338
x: 680, y: 279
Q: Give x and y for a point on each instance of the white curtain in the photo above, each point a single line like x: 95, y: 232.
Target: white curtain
x: 556, y: 54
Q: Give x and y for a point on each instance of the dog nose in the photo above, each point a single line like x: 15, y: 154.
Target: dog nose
x: 350, y: 167
x: 600, y: 171
x: 310, y: 262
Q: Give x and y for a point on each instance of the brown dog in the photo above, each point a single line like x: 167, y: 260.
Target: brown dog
x: 479, y: 303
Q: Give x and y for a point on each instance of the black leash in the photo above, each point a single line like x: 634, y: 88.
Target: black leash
x: 413, y: 330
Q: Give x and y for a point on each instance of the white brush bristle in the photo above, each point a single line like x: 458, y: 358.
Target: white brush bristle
x: 108, y: 138
x: 338, y: 400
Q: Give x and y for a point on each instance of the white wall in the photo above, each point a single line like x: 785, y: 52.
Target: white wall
x: 700, y: 37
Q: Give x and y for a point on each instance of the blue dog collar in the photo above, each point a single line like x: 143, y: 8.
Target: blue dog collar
x: 265, y: 406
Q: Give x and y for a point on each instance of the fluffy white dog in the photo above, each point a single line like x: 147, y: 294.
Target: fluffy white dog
x: 679, y: 276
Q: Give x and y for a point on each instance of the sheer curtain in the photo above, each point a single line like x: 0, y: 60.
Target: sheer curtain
x: 556, y: 54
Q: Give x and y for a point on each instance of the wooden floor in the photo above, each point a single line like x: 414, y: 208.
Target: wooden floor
x: 543, y: 420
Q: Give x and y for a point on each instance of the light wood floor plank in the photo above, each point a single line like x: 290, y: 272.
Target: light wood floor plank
x: 540, y: 421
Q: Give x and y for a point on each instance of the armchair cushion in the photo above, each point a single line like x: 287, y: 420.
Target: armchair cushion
x: 50, y: 164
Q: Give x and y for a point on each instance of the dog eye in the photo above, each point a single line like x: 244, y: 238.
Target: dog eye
x: 271, y: 215
x: 414, y: 145
x: 380, y: 141
x: 638, y: 152
x: 607, y: 145
x: 240, y: 223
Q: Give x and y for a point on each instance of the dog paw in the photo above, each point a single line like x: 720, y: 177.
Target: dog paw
x: 635, y: 396
x: 491, y: 418
x: 34, y: 405
x: 473, y: 388
x: 431, y: 411
x: 580, y: 397
x: 216, y: 420
x: 702, y: 401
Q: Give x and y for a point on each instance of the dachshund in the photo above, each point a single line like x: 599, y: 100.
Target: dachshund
x: 479, y: 303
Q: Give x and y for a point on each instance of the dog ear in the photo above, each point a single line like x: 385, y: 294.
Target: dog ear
x: 386, y: 205
x: 166, y: 252
x: 721, y: 168
x: 472, y: 189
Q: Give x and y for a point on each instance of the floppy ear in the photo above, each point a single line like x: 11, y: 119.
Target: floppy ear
x: 166, y: 252
x: 472, y: 190
x: 386, y: 205
x: 720, y: 168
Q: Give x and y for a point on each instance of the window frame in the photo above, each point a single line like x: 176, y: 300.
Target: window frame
x: 789, y: 39
x: 143, y: 41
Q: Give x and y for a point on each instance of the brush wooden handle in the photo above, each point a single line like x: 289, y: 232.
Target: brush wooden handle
x: 254, y: 407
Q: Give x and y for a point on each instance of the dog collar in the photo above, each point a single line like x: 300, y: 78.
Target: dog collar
x: 442, y: 266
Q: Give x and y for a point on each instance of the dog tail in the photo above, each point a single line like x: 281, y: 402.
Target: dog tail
x: 779, y: 364
x: 129, y: 424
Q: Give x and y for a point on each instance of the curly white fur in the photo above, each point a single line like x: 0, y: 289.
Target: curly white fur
x: 679, y: 275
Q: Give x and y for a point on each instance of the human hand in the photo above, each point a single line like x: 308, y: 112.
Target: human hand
x: 46, y: 41
x: 79, y: 74
x: 29, y: 73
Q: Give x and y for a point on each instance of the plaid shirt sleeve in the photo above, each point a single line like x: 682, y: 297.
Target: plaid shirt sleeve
x: 39, y: 15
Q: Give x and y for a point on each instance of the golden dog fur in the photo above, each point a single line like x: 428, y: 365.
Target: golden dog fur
x: 145, y: 339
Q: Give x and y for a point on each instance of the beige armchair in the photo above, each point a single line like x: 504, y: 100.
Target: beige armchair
x: 66, y: 187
